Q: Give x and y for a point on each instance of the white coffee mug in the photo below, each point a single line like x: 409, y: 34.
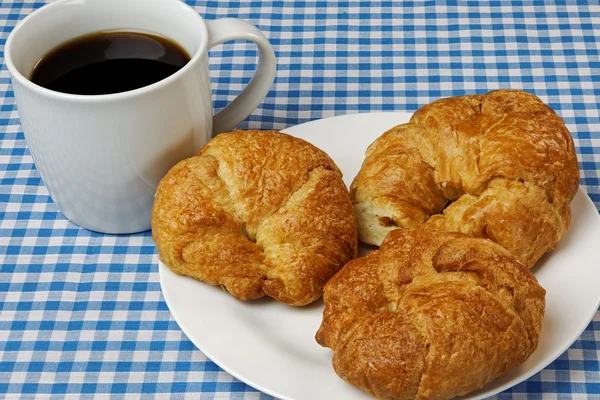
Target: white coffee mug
x: 101, y: 157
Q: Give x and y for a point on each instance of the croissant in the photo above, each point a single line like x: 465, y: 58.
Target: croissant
x: 500, y: 166
x: 258, y: 213
x: 430, y: 315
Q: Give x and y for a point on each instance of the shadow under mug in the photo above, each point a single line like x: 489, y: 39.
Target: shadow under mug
x: 101, y: 157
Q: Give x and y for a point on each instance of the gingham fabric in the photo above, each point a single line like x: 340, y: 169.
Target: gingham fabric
x: 82, y: 313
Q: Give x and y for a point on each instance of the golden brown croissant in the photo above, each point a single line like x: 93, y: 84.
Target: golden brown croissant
x: 257, y: 212
x: 504, y: 162
x: 430, y: 315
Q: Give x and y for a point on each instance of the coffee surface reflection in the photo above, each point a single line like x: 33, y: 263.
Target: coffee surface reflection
x: 109, y: 62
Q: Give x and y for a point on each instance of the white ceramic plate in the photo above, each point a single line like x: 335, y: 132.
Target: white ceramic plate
x: 271, y: 346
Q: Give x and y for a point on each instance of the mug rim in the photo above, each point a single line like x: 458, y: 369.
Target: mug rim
x: 100, y: 98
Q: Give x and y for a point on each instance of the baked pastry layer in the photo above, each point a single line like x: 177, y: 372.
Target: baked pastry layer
x: 500, y: 166
x: 430, y: 315
x: 258, y: 213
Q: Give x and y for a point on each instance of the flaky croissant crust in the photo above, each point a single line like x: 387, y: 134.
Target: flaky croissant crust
x: 500, y: 166
x: 430, y: 315
x: 257, y: 212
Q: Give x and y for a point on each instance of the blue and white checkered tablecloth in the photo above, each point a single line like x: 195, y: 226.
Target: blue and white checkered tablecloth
x: 82, y: 312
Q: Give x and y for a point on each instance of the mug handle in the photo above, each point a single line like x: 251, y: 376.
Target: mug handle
x: 224, y: 30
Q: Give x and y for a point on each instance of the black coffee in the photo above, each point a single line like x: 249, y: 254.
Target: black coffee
x: 109, y: 62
